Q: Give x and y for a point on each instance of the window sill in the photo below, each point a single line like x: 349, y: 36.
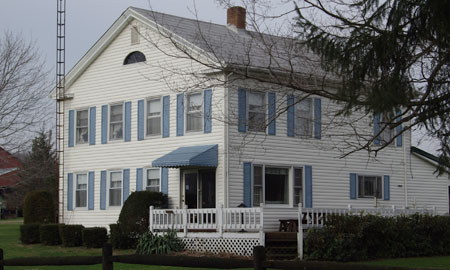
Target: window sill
x: 195, y: 132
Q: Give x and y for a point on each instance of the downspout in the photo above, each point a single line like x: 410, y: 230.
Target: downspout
x: 404, y: 174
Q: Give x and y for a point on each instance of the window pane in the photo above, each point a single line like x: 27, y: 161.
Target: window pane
x: 156, y: 189
x: 298, y: 176
x: 276, y: 186
x: 80, y: 198
x: 369, y: 186
x: 153, y: 174
x: 194, y: 102
x: 298, y: 196
x: 82, y: 118
x: 256, y: 101
x: 257, y: 195
x: 116, y: 113
x: 116, y: 180
x: 388, y: 133
x: 360, y: 186
x: 154, y: 107
x: 116, y: 131
x: 81, y: 181
x: 256, y: 121
x: 115, y: 197
x: 379, y: 188
x: 82, y: 135
x: 257, y: 179
x: 154, y: 126
x: 194, y: 121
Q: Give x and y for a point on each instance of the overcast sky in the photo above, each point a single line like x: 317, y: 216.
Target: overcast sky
x: 87, y: 20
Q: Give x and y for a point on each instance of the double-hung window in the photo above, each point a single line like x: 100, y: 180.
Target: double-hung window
x: 115, y: 188
x: 194, y: 112
x: 256, y: 111
x: 369, y: 186
x: 304, y: 118
x: 82, y: 127
x: 81, y: 190
x: 388, y: 133
x: 270, y: 185
x: 154, y: 117
x: 153, y: 180
x: 116, y: 122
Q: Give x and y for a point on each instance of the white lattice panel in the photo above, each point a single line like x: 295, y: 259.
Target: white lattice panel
x: 242, y: 247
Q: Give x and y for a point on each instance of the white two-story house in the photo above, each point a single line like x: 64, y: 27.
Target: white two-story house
x: 142, y: 115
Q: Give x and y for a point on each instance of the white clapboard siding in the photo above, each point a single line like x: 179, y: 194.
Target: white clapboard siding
x: 107, y: 81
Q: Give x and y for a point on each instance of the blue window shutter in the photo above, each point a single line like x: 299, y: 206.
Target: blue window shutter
x: 127, y: 125
x: 399, y: 129
x: 126, y: 184
x: 180, y: 114
x: 290, y: 115
x: 317, y: 118
x: 140, y: 120
x: 272, y: 113
x: 92, y: 114
x: 165, y: 180
x: 308, y: 186
x: 70, y: 191
x: 71, y: 128
x: 139, y: 177
x: 387, y: 188
x: 353, y: 186
x: 248, y: 184
x: 207, y: 95
x: 376, y: 128
x: 91, y: 191
x: 104, y: 124
x: 103, y: 190
x: 166, y: 117
x: 242, y: 110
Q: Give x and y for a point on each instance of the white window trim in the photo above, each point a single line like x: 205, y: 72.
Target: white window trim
x: 186, y: 105
x: 296, y: 100
x: 247, y: 107
x: 146, y: 116
x: 369, y: 197
x: 108, y: 180
x: 290, y: 184
x: 75, y: 191
x: 146, y: 178
x: 88, y: 125
x: 109, y: 122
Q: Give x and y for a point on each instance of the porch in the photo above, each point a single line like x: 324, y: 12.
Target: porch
x: 238, y: 230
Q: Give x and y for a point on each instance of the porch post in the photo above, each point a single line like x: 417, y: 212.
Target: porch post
x: 150, y: 218
x: 300, y: 232
x: 261, y: 230
x: 219, y: 217
x: 185, y: 220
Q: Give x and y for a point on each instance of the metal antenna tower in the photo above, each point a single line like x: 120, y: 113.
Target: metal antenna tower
x: 60, y: 96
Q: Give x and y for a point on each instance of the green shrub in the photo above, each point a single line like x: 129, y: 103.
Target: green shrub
x: 29, y: 233
x: 120, y: 240
x: 49, y: 234
x: 352, y: 238
x: 94, y: 237
x: 150, y: 243
x: 133, y: 218
x: 71, y: 235
x: 38, y: 207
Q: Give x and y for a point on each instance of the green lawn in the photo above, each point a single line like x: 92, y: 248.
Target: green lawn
x: 12, y: 248
x: 420, y: 262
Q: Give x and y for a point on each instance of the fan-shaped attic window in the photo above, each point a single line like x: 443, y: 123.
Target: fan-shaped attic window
x: 134, y: 57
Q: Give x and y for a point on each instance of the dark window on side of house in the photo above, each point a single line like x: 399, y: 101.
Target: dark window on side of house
x: 134, y: 57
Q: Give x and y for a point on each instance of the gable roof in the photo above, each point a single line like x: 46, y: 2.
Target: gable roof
x: 227, y: 46
x: 430, y: 157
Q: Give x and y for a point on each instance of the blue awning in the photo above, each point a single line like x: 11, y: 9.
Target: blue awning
x: 189, y: 156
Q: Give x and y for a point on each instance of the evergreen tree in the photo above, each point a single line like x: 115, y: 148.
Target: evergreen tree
x: 390, y: 56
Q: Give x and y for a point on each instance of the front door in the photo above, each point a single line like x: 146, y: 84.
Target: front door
x: 199, y: 189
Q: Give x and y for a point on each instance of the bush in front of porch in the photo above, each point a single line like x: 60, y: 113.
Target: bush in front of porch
x: 134, y: 218
x: 356, y: 238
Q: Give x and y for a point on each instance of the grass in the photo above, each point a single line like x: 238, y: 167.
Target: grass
x: 12, y: 248
x: 419, y: 262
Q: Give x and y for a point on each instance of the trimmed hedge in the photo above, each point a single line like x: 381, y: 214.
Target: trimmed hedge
x: 133, y: 218
x: 94, y: 237
x: 38, y: 207
x: 29, y: 233
x: 49, y: 234
x: 71, y: 235
x: 355, y: 238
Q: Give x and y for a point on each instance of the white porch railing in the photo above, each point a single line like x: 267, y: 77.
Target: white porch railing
x: 210, y: 219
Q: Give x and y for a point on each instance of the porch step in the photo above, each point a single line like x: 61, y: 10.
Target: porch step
x: 281, y: 246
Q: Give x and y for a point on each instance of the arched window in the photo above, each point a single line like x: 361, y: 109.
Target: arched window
x: 134, y: 57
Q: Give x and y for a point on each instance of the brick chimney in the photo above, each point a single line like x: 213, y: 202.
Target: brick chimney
x: 236, y: 17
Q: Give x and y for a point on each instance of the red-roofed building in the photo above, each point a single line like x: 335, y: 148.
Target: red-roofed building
x: 9, y: 166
